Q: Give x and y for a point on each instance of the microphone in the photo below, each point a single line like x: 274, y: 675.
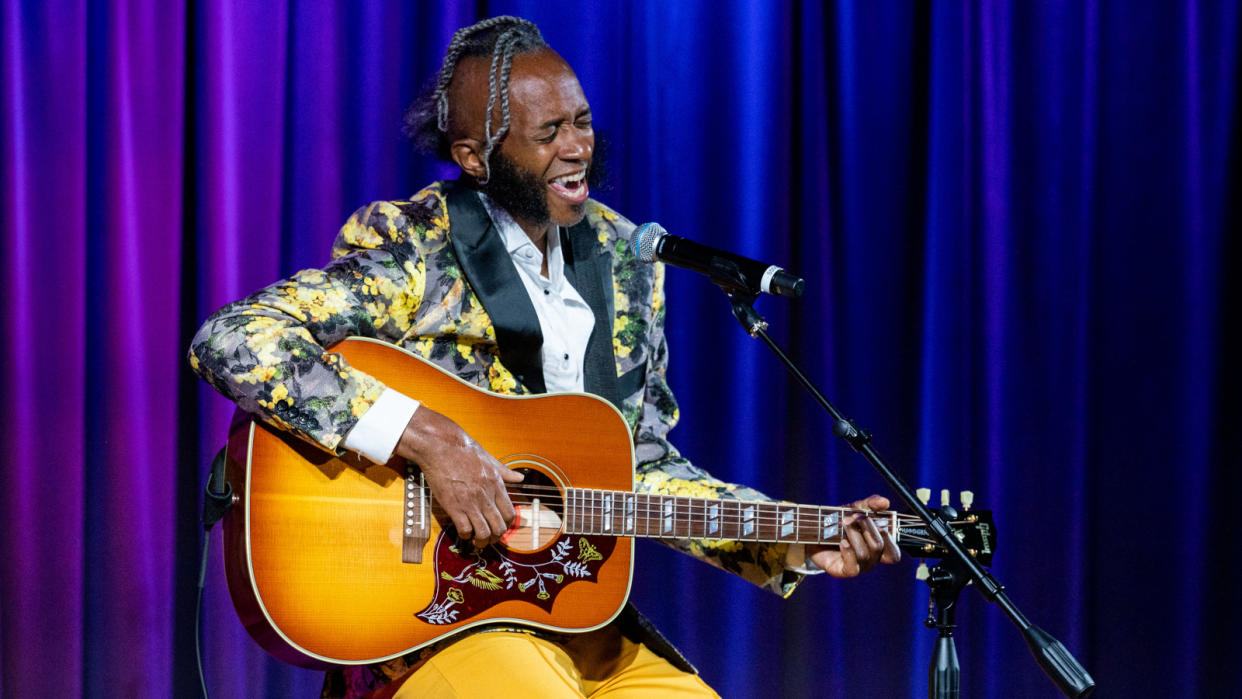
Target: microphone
x: 726, y: 270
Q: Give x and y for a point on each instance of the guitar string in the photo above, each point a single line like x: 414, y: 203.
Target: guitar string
x: 758, y: 536
x: 652, y: 503
x: 648, y: 507
x: 653, y: 511
x: 588, y: 502
x: 589, y: 512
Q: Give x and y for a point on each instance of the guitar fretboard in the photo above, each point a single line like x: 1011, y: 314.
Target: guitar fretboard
x: 616, y: 513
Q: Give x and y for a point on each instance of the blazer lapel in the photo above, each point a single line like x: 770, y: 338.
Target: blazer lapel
x: 589, y: 270
x: 489, y: 271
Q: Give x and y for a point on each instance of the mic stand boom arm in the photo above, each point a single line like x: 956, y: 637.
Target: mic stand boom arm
x: 957, y: 568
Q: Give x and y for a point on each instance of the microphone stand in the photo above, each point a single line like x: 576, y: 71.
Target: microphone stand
x: 956, y: 569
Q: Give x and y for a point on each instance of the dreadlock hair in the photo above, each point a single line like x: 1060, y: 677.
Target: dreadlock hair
x: 427, y: 121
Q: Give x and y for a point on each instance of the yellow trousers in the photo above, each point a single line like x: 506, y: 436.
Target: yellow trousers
x: 506, y: 664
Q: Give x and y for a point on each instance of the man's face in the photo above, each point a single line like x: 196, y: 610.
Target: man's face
x: 544, y: 157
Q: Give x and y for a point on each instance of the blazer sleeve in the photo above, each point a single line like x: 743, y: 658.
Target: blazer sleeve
x: 661, y: 469
x: 267, y: 352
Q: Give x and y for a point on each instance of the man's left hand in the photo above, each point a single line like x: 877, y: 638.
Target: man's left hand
x: 862, y: 543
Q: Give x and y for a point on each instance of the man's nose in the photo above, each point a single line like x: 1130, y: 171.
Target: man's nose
x: 576, y: 145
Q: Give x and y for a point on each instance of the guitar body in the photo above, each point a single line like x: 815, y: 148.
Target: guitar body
x: 314, y: 543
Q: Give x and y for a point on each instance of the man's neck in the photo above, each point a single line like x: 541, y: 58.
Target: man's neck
x: 538, y: 234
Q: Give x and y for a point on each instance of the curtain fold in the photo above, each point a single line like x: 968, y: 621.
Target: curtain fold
x: 1016, y: 220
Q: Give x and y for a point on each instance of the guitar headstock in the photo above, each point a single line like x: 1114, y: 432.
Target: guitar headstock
x: 975, y: 530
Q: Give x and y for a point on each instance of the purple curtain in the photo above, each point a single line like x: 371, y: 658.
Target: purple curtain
x: 1017, y: 222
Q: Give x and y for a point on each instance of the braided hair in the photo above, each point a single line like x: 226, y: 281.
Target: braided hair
x: 427, y: 121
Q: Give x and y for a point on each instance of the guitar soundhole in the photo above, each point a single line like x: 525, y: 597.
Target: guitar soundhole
x: 540, y: 507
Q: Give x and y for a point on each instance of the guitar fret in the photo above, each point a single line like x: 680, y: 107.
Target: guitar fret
x: 596, y: 519
x: 687, y: 508
x: 682, y: 516
x: 605, y: 521
x: 713, y: 519
x: 588, y: 515
x: 579, y: 512
x: 580, y: 496
x: 629, y: 514
x: 748, y: 521
x: 652, y: 515
x: 805, y: 524
x: 728, y: 519
x: 682, y: 508
x: 585, y: 496
x: 640, y: 515
x: 582, y: 512
x: 766, y: 522
x: 600, y: 512
x: 667, y: 516
x: 829, y: 525
x: 607, y: 497
x: 701, y: 518
x: 691, y: 519
x: 786, y: 519
x: 698, y: 518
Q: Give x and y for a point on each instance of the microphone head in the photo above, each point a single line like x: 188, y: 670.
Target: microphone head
x: 646, y: 240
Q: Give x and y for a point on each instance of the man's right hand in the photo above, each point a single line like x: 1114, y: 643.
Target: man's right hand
x: 468, y: 482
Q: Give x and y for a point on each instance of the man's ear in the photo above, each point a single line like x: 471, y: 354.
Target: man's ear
x: 468, y: 154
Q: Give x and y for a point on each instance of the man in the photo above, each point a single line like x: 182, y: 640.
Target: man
x: 512, y: 279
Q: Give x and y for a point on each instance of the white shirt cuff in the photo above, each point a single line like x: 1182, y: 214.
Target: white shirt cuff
x: 377, y: 432
x: 797, y: 562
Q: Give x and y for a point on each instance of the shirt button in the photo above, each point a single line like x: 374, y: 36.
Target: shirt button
x: 546, y: 292
x: 567, y: 356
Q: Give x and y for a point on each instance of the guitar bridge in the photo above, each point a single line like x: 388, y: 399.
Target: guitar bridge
x: 417, y: 525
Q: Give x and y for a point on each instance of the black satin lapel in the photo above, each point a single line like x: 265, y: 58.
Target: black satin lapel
x: 589, y: 270
x: 488, y: 269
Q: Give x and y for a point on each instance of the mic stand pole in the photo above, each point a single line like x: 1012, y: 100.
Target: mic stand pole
x: 957, y: 569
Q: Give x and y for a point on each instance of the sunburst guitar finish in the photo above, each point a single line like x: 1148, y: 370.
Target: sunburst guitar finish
x: 317, y: 547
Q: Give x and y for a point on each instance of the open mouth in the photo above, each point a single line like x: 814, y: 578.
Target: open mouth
x: 571, y: 187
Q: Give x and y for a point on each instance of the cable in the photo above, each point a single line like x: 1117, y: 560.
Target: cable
x: 215, y: 504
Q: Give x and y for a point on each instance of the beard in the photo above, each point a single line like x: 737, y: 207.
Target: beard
x: 525, y: 196
x: 518, y: 191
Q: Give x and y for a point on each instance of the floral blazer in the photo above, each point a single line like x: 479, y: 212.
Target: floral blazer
x: 432, y: 275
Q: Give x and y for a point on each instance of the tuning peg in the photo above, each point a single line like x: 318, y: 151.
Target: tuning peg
x: 921, y: 573
x: 944, y: 497
x: 968, y: 499
x: 924, y: 494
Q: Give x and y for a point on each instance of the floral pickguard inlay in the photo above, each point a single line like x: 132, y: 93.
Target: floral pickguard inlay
x: 471, y: 581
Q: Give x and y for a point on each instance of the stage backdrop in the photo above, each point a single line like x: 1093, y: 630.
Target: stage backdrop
x: 1018, y: 223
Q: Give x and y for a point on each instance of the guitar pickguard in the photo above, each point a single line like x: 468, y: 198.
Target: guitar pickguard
x: 468, y: 582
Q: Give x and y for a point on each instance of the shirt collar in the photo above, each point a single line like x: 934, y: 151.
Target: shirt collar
x: 512, y: 234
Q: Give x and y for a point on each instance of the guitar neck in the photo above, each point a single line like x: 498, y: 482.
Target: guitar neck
x: 643, y: 515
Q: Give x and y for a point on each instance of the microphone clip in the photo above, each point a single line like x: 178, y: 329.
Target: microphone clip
x: 743, y: 303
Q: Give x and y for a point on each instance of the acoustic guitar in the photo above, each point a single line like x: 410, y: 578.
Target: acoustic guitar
x: 337, y: 561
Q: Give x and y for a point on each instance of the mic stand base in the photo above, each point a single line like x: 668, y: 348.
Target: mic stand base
x: 946, y: 581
